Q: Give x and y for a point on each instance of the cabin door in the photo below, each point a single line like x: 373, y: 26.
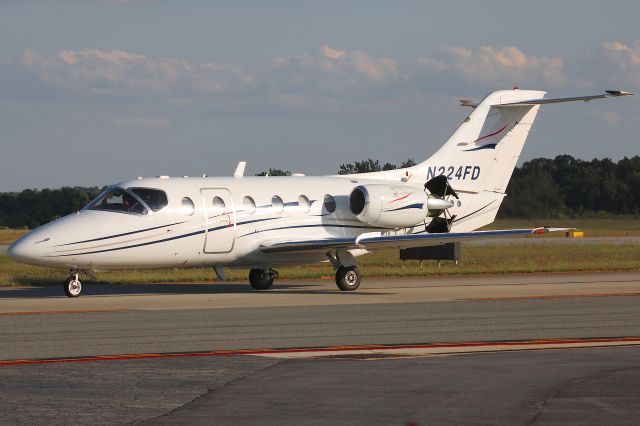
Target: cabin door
x: 219, y: 220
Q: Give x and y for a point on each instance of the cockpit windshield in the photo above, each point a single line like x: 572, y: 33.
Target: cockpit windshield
x: 154, y: 198
x: 118, y: 200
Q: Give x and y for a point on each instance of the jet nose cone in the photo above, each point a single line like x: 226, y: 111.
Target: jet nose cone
x: 19, y: 251
x: 24, y: 250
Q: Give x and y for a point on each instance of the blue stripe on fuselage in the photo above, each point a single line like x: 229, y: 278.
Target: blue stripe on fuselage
x: 121, y: 235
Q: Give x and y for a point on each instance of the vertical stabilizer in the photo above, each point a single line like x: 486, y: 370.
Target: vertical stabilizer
x: 480, y: 156
x: 482, y: 153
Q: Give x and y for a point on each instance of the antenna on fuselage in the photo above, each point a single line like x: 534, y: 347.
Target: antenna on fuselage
x: 240, y: 169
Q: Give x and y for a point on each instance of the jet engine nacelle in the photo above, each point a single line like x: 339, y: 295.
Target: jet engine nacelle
x: 390, y: 206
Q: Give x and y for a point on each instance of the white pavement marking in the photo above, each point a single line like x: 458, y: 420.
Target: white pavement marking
x: 448, y: 350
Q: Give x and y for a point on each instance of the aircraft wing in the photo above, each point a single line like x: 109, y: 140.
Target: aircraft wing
x: 375, y: 241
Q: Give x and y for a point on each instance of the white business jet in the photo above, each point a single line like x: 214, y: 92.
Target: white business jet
x: 263, y: 222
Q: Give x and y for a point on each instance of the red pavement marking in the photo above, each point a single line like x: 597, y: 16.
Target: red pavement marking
x: 77, y: 311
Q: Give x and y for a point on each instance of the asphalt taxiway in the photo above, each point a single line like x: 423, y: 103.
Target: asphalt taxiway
x: 510, y: 349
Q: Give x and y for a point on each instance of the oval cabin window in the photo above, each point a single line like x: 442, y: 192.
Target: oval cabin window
x: 329, y: 203
x: 249, y: 205
x: 187, y: 206
x: 304, y: 204
x: 276, y: 204
x: 217, y: 206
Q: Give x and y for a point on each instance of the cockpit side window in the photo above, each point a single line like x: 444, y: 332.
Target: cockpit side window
x: 154, y: 198
x: 118, y: 200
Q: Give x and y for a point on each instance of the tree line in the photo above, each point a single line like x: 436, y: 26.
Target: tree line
x: 32, y: 208
x: 569, y: 187
x: 541, y: 188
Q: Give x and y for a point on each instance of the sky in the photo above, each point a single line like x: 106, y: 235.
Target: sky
x: 97, y: 92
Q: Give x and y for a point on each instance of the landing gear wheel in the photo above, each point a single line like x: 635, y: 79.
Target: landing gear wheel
x: 262, y: 279
x: 72, y: 286
x: 348, y: 278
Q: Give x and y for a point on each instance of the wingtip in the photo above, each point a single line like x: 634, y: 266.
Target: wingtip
x: 619, y: 93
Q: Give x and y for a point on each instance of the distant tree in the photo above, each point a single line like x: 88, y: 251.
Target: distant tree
x: 370, y: 165
x: 389, y: 166
x: 565, y: 185
x: 32, y: 208
x: 408, y: 163
x: 365, y: 166
x: 275, y: 172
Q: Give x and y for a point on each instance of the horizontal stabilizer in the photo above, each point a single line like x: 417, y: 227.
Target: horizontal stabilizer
x: 375, y: 241
x: 541, y: 101
x: 530, y: 102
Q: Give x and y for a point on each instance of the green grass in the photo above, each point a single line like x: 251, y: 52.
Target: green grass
x: 475, y: 260
x: 7, y: 236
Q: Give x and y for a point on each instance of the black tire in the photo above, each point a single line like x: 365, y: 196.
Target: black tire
x: 261, y: 279
x: 72, y: 287
x: 348, y: 278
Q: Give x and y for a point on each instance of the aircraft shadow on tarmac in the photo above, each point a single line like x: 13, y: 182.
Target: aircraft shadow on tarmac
x: 89, y: 290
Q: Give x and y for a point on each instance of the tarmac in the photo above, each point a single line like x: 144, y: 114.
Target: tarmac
x: 495, y: 349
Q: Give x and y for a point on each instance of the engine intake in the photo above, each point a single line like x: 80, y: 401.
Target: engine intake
x: 358, y: 200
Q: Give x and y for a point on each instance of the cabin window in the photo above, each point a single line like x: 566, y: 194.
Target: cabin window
x: 188, y: 207
x: 118, y: 200
x: 249, y: 205
x: 329, y: 203
x: 276, y: 204
x: 217, y: 206
x: 304, y: 204
x: 154, y: 198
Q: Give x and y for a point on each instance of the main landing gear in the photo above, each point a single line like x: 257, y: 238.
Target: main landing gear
x: 262, y: 279
x: 72, y: 285
x: 348, y: 278
x: 347, y: 274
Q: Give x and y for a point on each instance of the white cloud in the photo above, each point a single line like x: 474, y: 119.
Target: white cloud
x: 329, y: 79
x: 334, y: 70
x: 119, y: 72
x: 498, y: 66
x: 335, y: 80
x: 142, y: 121
x: 616, y: 63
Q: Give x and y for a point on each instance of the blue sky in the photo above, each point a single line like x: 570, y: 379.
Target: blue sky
x: 94, y: 92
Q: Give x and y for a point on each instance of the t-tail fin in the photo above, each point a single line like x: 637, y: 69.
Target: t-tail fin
x: 482, y: 153
x: 480, y: 156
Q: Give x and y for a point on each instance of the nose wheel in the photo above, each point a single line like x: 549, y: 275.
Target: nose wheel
x: 73, y: 286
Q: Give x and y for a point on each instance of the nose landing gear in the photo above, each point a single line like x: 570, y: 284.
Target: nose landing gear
x: 72, y: 285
